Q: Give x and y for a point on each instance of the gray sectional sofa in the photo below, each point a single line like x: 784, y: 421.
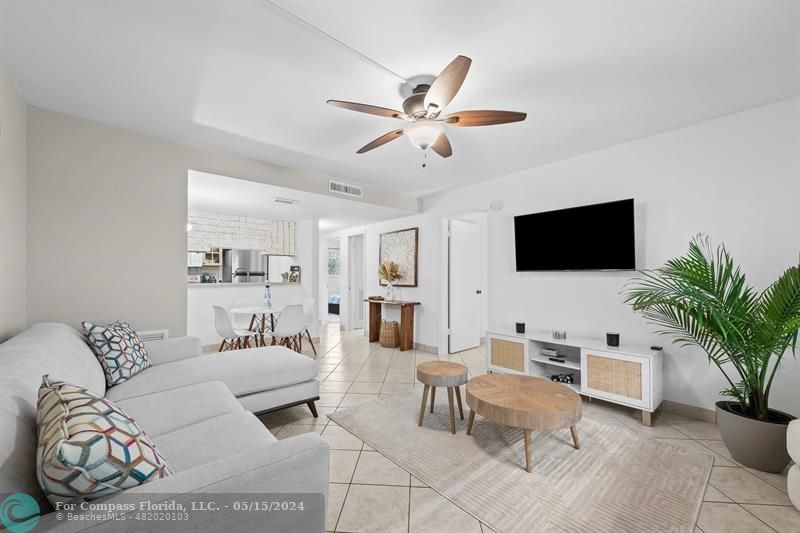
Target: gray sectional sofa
x: 198, y: 409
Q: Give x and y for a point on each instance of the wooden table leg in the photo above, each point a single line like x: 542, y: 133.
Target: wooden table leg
x: 575, y: 440
x: 422, y: 407
x: 406, y: 327
x: 460, y: 408
x: 252, y: 324
x: 375, y: 322
x: 528, y: 464
x: 452, y: 410
x: 470, y: 421
x: 433, y: 397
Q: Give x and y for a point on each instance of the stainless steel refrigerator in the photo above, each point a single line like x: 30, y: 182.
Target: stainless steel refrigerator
x: 242, y: 266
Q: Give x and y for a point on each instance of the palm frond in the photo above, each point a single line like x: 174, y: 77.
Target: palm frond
x: 702, y: 299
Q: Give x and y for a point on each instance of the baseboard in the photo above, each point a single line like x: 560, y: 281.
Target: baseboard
x: 689, y: 411
x: 425, y: 348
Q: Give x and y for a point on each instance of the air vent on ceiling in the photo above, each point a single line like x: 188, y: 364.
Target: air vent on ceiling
x: 345, y: 189
x: 287, y: 201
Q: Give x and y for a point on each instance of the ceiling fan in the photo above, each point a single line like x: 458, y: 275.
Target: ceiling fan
x: 422, y: 110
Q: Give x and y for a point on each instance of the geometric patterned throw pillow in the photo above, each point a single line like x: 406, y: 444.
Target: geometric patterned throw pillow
x: 88, y: 447
x: 118, y: 348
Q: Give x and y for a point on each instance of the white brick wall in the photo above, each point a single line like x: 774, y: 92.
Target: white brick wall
x: 212, y: 230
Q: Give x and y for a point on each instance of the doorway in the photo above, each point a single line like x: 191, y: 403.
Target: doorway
x: 466, y: 281
x: 356, y: 281
x: 333, y: 284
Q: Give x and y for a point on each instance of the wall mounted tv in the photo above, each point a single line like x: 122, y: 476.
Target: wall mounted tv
x: 591, y: 237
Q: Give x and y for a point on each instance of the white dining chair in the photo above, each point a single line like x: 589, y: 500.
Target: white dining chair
x: 308, y: 314
x: 290, y: 326
x: 243, y: 321
x: 232, y: 339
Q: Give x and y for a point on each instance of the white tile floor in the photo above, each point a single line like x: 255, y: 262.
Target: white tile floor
x: 369, y: 493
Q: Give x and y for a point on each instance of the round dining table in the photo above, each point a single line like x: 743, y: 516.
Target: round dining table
x: 258, y: 318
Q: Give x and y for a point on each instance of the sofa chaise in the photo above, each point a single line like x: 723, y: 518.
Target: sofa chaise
x: 198, y: 409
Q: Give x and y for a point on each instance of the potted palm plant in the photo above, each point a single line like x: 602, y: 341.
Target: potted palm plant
x: 702, y: 299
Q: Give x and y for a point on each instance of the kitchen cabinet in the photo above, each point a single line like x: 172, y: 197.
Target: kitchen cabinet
x: 195, y: 259
x: 212, y: 258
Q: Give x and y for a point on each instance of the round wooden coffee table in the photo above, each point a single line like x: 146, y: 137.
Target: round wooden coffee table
x: 524, y: 402
x: 442, y: 374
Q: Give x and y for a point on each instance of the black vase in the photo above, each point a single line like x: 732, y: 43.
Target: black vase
x: 520, y: 327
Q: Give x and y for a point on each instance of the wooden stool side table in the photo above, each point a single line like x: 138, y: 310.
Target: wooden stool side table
x: 434, y: 374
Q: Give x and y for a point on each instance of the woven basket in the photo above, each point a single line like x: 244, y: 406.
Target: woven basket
x: 390, y: 334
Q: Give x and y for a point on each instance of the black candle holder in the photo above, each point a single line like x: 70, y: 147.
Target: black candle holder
x: 612, y: 339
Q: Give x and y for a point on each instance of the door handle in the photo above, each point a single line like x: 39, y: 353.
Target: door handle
x: 479, y: 291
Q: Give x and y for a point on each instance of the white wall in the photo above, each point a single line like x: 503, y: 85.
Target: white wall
x: 107, y: 219
x: 307, y: 235
x: 13, y: 206
x: 736, y: 178
x: 431, y: 275
x: 427, y: 318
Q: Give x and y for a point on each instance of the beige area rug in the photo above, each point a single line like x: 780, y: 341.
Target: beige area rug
x: 617, y: 482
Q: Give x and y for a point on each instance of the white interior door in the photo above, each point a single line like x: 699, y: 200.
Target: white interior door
x: 464, y: 303
x: 356, y: 281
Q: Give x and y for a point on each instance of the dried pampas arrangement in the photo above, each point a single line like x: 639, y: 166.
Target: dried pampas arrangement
x: 389, y: 271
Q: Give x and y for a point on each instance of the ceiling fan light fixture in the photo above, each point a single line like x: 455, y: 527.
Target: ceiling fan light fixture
x: 423, y: 108
x: 423, y: 133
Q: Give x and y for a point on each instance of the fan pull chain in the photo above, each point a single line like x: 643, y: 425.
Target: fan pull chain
x: 425, y: 158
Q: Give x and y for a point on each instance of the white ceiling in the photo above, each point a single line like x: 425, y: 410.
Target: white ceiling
x: 220, y: 194
x: 243, y: 76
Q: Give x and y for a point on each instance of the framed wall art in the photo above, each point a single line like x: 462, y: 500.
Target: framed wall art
x: 401, y: 247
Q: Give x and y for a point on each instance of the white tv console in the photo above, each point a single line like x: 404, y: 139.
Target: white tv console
x: 628, y: 375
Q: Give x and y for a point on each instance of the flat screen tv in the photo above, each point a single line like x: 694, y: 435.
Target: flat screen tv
x: 591, y: 237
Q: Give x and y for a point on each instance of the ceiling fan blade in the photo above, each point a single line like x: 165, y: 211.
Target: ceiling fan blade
x: 442, y: 146
x: 445, y: 87
x: 380, y: 141
x: 483, y: 118
x: 371, y: 109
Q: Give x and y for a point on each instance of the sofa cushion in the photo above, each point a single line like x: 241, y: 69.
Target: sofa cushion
x: 119, y: 349
x: 170, y: 410
x: 209, y: 440
x: 47, y: 348
x: 793, y: 485
x: 793, y: 440
x: 88, y: 447
x: 242, y: 371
